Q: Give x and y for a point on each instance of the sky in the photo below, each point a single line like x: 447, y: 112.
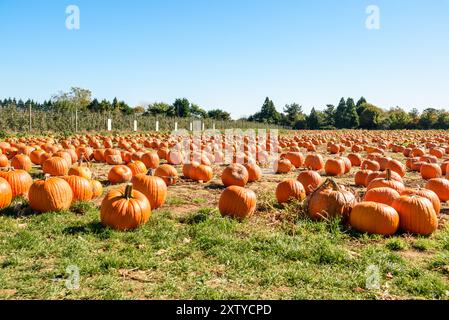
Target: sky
x: 229, y: 54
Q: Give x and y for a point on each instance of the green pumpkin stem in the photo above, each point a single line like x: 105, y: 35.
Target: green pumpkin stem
x: 128, y: 191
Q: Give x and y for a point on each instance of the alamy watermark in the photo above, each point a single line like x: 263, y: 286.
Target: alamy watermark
x: 372, y: 22
x: 72, y: 21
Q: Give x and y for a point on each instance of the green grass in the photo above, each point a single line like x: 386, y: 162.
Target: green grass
x: 204, y: 256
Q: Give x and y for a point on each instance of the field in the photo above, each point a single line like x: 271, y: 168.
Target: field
x: 187, y: 250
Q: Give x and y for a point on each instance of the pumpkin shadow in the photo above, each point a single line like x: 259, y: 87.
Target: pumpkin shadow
x: 215, y: 186
x: 93, y: 228
x: 19, y: 208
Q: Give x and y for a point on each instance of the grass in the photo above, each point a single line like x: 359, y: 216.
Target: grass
x: 204, y: 256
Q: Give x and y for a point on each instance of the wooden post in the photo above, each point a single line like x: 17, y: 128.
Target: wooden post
x: 30, y: 118
x: 157, y: 125
x: 135, y: 125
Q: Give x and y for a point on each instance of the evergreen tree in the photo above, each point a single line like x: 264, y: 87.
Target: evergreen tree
x: 313, y: 120
x: 350, y: 115
x: 182, y: 108
x: 340, y: 114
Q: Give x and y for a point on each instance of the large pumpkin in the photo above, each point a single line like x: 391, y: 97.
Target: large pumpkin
x: 124, y: 209
x: 237, y: 202
x: 119, y: 174
x: 168, y: 173
x: 374, y: 218
x: 416, y: 214
x: 19, y: 180
x: 154, y: 188
x: 81, y: 188
x: 383, y: 195
x: 50, y: 194
x: 440, y: 186
x: 330, y: 200
x: 55, y: 166
x: 21, y: 161
x: 310, y: 180
x: 426, y: 193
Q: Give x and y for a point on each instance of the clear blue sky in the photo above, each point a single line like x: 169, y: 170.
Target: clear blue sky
x: 229, y: 54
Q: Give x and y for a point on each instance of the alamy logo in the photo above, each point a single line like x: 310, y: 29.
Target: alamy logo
x: 373, y: 20
x: 72, y: 21
x: 73, y: 280
x: 372, y: 277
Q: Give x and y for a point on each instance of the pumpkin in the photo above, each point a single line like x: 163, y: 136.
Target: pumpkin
x: 119, y: 174
x: 430, y: 171
x: 334, y: 167
x: 154, y: 188
x: 168, y: 173
x: 296, y: 158
x: 137, y: 167
x: 396, y: 166
x: 21, y: 161
x: 4, y: 162
x: 425, y: 193
x: 151, y: 160
x: 440, y: 186
x: 356, y: 159
x: 80, y: 170
x: 254, y: 171
x: 383, y: 195
x: 290, y: 189
x: 5, y: 194
x: 314, y: 162
x: 235, y: 174
x: 360, y: 177
x: 386, y: 182
x: 19, y: 180
x: 310, y: 180
x: 201, y: 172
x: 114, y: 159
x: 370, y: 165
x: 55, y: 166
x: 374, y: 218
x: 237, y: 202
x: 81, y: 188
x: 97, y: 189
x: 416, y: 215
x: 124, y: 209
x: 50, y: 194
x: 283, y: 166
x: 330, y: 200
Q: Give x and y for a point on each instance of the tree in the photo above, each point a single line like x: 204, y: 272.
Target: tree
x: 340, y: 114
x: 350, y: 115
x: 360, y: 104
x: 76, y: 98
x: 443, y: 120
x: 414, y: 119
x: 182, y: 108
x: 139, y: 110
x: 399, y: 119
x: 160, y: 108
x: 292, y: 114
x: 329, y: 116
x: 371, y: 116
x: 428, y: 118
x: 218, y: 114
x: 197, y: 112
x: 314, y: 120
x: 267, y: 114
x: 94, y: 106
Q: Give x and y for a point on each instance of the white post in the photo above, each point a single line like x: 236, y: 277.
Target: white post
x: 213, y: 126
x: 176, y: 126
x: 135, y: 125
x: 191, y: 126
x: 109, y: 124
x: 202, y: 127
x: 157, y: 125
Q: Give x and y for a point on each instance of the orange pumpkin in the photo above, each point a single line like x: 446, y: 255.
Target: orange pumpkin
x: 154, y: 188
x: 235, y: 174
x: 119, y: 174
x: 383, y: 195
x: 237, y: 202
x: 5, y: 194
x: 374, y: 218
x: 50, y: 194
x: 168, y: 173
x: 310, y: 180
x: 290, y: 189
x: 81, y: 188
x: 416, y: 215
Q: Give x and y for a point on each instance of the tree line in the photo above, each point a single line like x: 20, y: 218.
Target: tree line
x: 346, y: 115
x: 350, y: 115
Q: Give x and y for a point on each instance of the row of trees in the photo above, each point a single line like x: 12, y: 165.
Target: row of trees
x: 351, y: 115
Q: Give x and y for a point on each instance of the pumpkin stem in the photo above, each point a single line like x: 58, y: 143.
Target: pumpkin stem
x: 334, y: 184
x: 128, y: 191
x: 388, y: 174
x: 150, y: 172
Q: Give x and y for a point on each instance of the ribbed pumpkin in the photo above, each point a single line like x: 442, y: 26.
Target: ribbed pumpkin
x: 97, y: 189
x: 201, y: 172
x: 386, y: 182
x: 35, y: 156
x: 19, y: 180
x: 330, y: 200
x: 356, y: 159
x: 254, y: 171
x: 237, y: 202
x: 383, y: 195
x: 21, y: 161
x: 80, y: 170
x: 374, y: 218
x: 154, y: 188
x: 314, y: 162
x: 168, y: 173
x: 81, y: 188
x: 137, y: 167
x: 235, y: 174
x: 151, y: 160
x: 416, y: 214
x: 114, y: 159
x: 334, y: 167
x: 396, y: 166
x: 310, y: 180
x: 124, y: 209
x: 55, y: 166
x: 290, y: 189
x: 50, y: 194
x: 4, y: 162
x: 370, y: 165
x: 440, y: 186
x: 425, y: 193
x: 119, y: 174
x: 5, y: 193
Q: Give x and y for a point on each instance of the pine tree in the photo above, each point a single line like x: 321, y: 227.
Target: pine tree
x: 340, y: 114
